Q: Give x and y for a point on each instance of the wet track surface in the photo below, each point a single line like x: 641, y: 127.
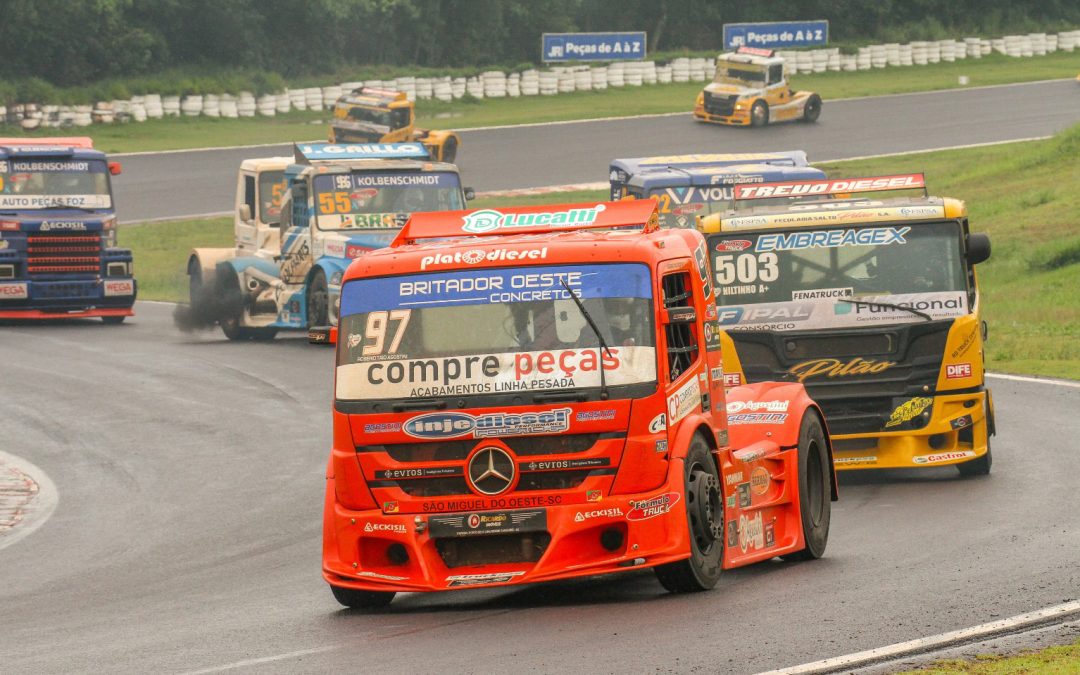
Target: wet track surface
x: 187, y: 535
x: 204, y: 181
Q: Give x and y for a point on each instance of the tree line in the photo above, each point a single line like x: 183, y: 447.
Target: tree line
x: 75, y: 42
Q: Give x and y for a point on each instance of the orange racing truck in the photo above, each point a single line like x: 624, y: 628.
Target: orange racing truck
x: 536, y: 393
x: 870, y: 302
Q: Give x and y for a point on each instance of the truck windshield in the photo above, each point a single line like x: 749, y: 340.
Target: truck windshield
x: 368, y: 200
x: 494, y: 331
x: 271, y: 189
x: 805, y: 278
x: 380, y: 116
x: 743, y: 74
x: 49, y: 183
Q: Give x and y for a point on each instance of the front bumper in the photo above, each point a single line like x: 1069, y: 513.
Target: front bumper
x: 737, y: 118
x: 65, y: 314
x: 956, y: 433
x: 369, y: 550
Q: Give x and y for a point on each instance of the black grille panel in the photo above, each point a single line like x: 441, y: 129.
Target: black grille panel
x: 527, y: 547
x: 48, y: 253
x: 860, y: 403
x: 522, y: 446
x: 720, y: 105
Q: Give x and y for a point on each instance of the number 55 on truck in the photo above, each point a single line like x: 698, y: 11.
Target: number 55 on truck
x: 527, y: 394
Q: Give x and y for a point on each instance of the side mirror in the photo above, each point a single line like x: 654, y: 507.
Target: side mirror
x: 245, y: 213
x: 115, y: 168
x: 470, y: 194
x: 978, y: 248
x: 322, y: 335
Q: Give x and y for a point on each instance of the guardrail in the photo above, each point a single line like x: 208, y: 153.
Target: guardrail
x: 548, y: 82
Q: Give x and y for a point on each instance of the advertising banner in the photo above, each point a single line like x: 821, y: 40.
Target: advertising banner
x: 557, y: 47
x: 776, y: 35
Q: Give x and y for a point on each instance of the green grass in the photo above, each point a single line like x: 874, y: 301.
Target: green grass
x: 1025, y: 195
x: 1062, y: 660
x: 161, y: 253
x: 199, y: 132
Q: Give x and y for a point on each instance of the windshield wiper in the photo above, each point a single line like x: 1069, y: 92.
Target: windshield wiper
x: 599, y: 337
x: 889, y: 305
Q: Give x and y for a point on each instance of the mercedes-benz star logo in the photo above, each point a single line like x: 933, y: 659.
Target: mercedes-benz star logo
x: 491, y: 471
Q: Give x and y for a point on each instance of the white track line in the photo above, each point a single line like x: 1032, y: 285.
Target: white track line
x: 1036, y: 380
x: 584, y: 121
x: 1016, y: 624
x: 919, y: 152
x: 265, y: 659
x: 43, y: 504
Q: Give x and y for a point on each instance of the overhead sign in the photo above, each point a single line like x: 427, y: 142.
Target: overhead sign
x: 775, y: 35
x: 592, y: 46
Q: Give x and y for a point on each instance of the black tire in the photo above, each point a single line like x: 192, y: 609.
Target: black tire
x: 194, y: 282
x: 318, y: 301
x: 449, y: 153
x: 113, y: 320
x: 759, y: 114
x: 355, y: 599
x: 815, y: 488
x: 812, y: 110
x: 704, y: 501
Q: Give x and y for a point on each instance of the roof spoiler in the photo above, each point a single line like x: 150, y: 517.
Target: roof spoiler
x: 829, y: 187
x: 529, y: 220
x: 305, y: 153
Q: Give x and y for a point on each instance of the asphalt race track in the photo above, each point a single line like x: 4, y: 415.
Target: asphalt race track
x: 163, y: 185
x: 187, y: 535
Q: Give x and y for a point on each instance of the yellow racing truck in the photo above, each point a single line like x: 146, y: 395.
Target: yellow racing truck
x: 370, y: 115
x: 871, y: 303
x: 750, y: 88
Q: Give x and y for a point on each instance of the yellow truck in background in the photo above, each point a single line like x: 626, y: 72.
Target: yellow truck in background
x: 871, y: 303
x: 750, y: 88
x: 370, y: 115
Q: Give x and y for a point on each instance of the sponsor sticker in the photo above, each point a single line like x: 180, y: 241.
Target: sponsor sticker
x: 961, y: 422
x: 732, y: 533
x: 427, y: 472
x: 661, y: 446
x: 69, y: 225
x: 869, y: 236
x: 712, y: 336
x: 868, y: 459
x: 652, y: 507
x: 382, y: 428
x: 14, y: 291
x: 658, y: 424
x: 744, y: 495
x: 757, y: 406
x: 732, y: 379
x: 457, y: 424
x: 955, y: 371
x: 113, y: 287
x: 477, y: 255
x: 458, y: 580
x: 770, y: 534
x: 488, y: 220
x: 377, y: 575
x: 734, y: 245
x: 684, y: 401
x: 965, y: 345
x: 397, y: 528
x: 757, y: 418
x: 908, y: 410
x: 593, y: 415
x: 557, y: 464
x: 822, y: 293
x: 592, y: 495
x: 733, y: 478
x: 613, y: 512
x: 836, y: 368
x: 943, y: 457
x: 760, y: 480
x: 487, y: 522
x: 751, y: 533
x: 390, y: 507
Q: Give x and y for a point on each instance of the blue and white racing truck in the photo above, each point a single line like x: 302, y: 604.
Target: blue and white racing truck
x: 300, y: 222
x: 688, y: 187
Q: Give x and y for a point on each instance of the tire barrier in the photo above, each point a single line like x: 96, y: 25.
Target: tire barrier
x: 548, y: 82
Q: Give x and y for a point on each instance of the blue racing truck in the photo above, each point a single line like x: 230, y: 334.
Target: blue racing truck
x: 58, y: 255
x: 687, y: 187
x: 300, y: 223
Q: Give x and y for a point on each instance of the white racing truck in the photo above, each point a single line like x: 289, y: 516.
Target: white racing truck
x: 299, y: 222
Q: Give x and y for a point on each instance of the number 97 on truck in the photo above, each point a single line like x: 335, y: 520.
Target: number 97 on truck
x: 537, y: 393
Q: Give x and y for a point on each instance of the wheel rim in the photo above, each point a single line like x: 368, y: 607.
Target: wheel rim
x: 812, y: 109
x: 706, y: 509
x: 759, y: 114
x: 816, y: 487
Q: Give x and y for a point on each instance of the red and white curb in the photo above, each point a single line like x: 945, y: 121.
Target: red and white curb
x: 27, y: 498
x: 1016, y: 624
